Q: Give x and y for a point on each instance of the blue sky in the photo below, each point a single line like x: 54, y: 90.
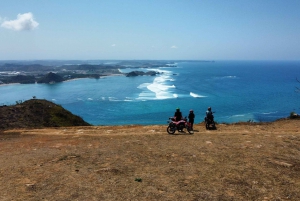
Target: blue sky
x: 153, y: 29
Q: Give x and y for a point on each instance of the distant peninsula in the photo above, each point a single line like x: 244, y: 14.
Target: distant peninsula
x: 50, y: 72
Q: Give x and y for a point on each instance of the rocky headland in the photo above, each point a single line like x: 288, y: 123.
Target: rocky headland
x: 36, y: 113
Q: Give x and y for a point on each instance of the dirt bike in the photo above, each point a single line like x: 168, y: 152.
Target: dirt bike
x: 178, y: 125
x: 209, y: 122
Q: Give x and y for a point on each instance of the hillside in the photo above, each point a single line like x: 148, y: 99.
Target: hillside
x: 50, y: 78
x: 37, y: 113
x: 243, y: 161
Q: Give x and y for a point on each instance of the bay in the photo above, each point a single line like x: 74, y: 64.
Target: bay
x: 257, y: 91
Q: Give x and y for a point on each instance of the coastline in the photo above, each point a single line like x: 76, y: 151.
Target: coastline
x: 8, y: 84
x: 101, y: 77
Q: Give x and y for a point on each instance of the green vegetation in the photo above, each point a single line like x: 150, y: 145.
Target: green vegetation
x: 36, y: 113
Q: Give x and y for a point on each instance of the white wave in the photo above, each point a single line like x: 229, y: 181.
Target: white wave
x: 128, y: 99
x: 269, y: 112
x: 196, y: 95
x: 238, y: 115
x: 159, y: 89
x: 112, y: 99
x: 90, y: 99
x: 175, y: 95
x: 103, y: 98
x: 230, y: 76
x: 160, y: 70
x: 144, y: 85
x: 226, y: 77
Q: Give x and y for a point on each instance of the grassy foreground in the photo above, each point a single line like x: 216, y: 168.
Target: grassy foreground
x: 235, y: 162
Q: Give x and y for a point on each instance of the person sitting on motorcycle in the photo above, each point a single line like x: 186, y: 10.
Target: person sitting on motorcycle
x: 177, y: 115
x: 191, y: 118
x: 209, y: 114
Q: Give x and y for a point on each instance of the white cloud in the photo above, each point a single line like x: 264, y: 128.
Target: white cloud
x: 174, y: 47
x: 23, y: 22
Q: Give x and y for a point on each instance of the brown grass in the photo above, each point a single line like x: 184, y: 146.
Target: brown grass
x: 234, y: 162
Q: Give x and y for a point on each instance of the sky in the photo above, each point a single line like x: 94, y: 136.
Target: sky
x: 150, y: 29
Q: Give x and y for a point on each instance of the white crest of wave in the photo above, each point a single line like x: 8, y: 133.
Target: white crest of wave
x: 112, y: 99
x: 159, y: 89
x: 144, y: 85
x: 238, y: 115
x: 196, y: 95
x: 269, y: 113
x: 228, y: 77
x: 128, y: 99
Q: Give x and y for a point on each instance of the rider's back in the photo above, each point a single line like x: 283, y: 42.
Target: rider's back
x: 178, y: 116
x: 209, y: 115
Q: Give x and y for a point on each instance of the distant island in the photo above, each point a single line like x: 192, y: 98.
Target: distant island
x: 50, y: 72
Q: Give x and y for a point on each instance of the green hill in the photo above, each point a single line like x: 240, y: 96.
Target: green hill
x: 50, y: 78
x: 36, y: 113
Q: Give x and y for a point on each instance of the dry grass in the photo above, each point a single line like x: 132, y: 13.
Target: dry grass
x: 234, y: 162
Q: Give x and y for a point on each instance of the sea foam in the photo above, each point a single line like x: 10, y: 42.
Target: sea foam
x: 196, y: 95
x: 159, y: 88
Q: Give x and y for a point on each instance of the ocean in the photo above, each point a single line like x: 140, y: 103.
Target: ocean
x: 259, y: 91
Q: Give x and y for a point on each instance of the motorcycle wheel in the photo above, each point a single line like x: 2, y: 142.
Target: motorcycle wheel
x: 214, y: 125
x: 207, y: 126
x: 189, y: 129
x: 171, y: 129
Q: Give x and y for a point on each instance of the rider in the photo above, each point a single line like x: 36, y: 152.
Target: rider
x: 209, y: 114
x: 191, y: 118
x: 177, y: 115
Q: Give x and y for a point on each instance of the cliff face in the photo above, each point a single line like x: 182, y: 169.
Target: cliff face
x: 50, y: 78
x: 37, y: 113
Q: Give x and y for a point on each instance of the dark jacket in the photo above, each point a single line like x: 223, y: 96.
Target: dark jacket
x: 178, y: 116
x: 191, y: 117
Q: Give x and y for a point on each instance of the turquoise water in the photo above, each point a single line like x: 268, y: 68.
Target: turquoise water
x: 236, y: 91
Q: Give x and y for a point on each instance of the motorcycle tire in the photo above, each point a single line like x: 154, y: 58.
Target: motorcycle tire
x: 207, y: 126
x: 171, y: 129
x: 189, y: 129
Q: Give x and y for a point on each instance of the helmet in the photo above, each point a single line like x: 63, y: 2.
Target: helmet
x: 178, y: 109
x: 191, y: 111
x: 209, y: 108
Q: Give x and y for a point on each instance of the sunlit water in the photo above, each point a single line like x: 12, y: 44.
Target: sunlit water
x: 236, y: 91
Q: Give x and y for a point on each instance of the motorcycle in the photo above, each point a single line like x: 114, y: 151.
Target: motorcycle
x: 178, y: 125
x: 210, y: 123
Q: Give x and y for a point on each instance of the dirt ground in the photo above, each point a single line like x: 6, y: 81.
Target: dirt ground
x: 235, y: 162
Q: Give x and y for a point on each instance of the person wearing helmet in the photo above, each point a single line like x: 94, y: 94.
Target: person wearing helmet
x: 209, y: 114
x: 177, y: 115
x: 191, y: 118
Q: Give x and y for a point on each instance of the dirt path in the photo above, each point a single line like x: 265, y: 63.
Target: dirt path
x: 234, y: 162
